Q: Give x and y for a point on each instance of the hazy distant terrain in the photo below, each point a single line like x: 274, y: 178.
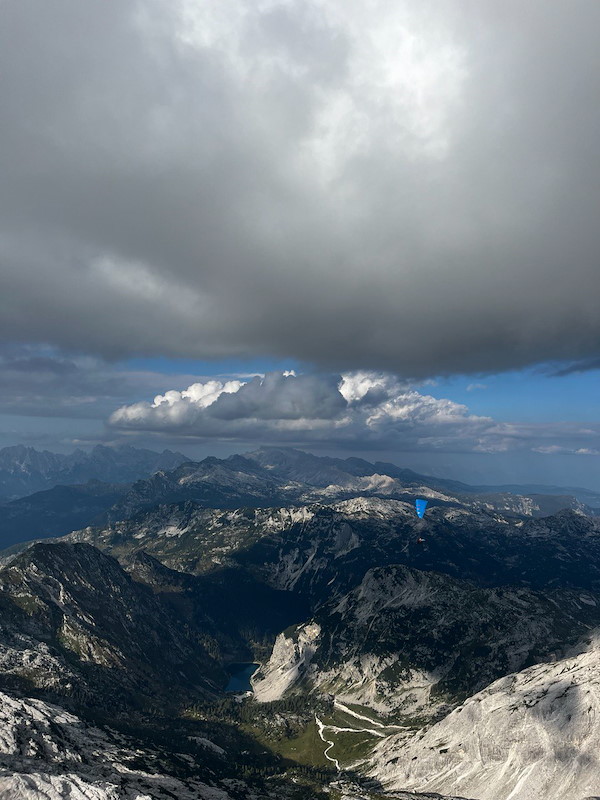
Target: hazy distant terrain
x: 124, y: 482
x: 25, y: 470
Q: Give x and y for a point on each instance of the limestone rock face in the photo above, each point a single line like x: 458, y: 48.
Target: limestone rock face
x: 414, y: 644
x: 533, y: 735
x: 47, y: 752
x: 289, y: 660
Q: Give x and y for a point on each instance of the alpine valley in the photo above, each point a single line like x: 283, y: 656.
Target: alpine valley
x: 454, y: 656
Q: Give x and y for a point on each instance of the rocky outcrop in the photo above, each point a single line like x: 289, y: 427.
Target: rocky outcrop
x: 289, y: 661
x: 533, y: 735
x: 72, y: 620
x: 414, y: 643
x: 47, y: 752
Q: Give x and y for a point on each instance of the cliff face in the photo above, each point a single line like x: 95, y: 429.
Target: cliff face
x: 533, y: 735
x: 414, y: 644
x: 288, y: 664
x: 73, y: 621
x: 47, y: 752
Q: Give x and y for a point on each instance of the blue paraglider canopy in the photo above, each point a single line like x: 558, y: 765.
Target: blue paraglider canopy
x: 420, y: 505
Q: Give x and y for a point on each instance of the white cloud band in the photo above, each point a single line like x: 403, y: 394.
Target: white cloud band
x: 359, y: 409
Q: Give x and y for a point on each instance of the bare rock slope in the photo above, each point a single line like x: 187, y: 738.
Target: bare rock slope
x: 46, y: 752
x: 415, y: 644
x: 533, y: 735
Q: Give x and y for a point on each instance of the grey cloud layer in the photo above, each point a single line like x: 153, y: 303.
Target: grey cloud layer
x: 40, y: 382
x: 409, y: 186
x: 361, y: 410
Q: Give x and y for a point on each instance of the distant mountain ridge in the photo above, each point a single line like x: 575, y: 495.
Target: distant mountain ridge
x: 322, y: 470
x: 273, y: 476
x: 25, y: 470
x: 266, y: 478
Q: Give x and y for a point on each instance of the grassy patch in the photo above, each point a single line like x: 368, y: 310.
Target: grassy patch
x: 306, y: 748
x: 351, y: 747
x: 29, y: 603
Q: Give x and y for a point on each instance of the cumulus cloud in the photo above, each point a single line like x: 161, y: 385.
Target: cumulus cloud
x: 557, y: 449
x: 408, y: 186
x: 473, y: 387
x: 358, y: 407
x: 362, y: 410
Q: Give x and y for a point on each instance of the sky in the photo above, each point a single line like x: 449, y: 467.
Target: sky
x: 365, y: 228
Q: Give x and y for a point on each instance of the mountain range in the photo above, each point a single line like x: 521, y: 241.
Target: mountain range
x: 453, y: 656
x: 25, y: 470
x: 114, y: 490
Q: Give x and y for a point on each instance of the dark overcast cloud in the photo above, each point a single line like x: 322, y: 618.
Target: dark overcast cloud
x: 586, y: 365
x: 44, y: 383
x: 410, y: 186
